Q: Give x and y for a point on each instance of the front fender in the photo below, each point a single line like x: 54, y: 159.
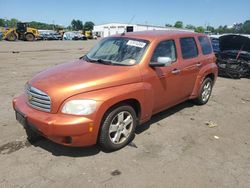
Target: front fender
x: 108, y: 97
x: 135, y: 91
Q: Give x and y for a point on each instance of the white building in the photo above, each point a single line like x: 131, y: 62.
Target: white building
x: 108, y: 29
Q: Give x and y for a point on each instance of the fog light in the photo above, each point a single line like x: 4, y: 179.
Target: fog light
x: 67, y: 140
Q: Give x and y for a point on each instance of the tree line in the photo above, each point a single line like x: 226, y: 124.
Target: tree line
x: 243, y: 28
x: 75, y: 25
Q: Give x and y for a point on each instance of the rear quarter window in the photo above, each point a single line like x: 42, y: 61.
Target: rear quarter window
x: 205, y: 45
x: 188, y: 48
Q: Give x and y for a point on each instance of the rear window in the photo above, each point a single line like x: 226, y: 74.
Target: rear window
x: 188, y: 48
x: 205, y: 45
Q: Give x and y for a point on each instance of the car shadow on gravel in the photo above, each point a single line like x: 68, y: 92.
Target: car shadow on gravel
x: 60, y: 150
x: 162, y: 115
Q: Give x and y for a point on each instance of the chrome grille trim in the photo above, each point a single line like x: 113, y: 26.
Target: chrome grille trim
x: 38, y: 99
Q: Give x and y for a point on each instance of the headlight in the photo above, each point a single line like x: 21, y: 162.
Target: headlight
x: 79, y: 107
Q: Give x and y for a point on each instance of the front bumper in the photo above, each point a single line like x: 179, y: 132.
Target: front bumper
x: 61, y: 128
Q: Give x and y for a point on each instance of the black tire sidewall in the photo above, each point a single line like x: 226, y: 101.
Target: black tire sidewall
x: 33, y: 37
x: 12, y: 35
x: 104, y: 140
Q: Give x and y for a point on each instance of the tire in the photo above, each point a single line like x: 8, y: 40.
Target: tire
x: 29, y: 37
x: 11, y: 37
x: 32, y: 136
x: 115, y: 133
x: 204, y: 92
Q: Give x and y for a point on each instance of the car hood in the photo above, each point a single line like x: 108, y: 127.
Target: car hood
x: 66, y: 80
x: 234, y: 42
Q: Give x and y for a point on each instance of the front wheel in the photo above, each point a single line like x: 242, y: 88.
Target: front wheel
x: 118, y: 128
x: 205, y: 91
x: 11, y: 37
x: 29, y: 37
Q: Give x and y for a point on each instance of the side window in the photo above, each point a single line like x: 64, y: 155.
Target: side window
x: 188, y: 48
x: 205, y: 45
x: 164, y: 49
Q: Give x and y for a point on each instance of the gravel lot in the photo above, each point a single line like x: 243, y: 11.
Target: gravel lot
x: 175, y: 149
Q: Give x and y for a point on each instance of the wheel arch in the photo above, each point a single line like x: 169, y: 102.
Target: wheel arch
x: 130, y: 101
x: 134, y: 103
x: 210, y: 75
x: 207, y: 72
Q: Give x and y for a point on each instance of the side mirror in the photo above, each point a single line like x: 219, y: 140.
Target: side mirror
x: 162, y: 62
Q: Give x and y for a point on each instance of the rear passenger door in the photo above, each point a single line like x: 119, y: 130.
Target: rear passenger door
x: 190, y: 64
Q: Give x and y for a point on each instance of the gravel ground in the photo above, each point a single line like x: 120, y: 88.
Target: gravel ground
x: 177, y: 148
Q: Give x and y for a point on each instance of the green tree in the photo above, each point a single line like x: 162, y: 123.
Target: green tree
x: 168, y: 25
x: 219, y: 29
x: 12, y: 22
x: 178, y: 24
x: 2, y: 22
x: 40, y: 25
x: 210, y: 28
x: 238, y: 27
x: 77, y: 25
x: 69, y: 28
x: 199, y: 29
x: 88, y: 26
x: 189, y: 26
x: 246, y: 27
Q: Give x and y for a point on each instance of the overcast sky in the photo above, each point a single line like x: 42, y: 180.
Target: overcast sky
x: 155, y: 12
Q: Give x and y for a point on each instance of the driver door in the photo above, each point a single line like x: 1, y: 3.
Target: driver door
x: 166, y: 81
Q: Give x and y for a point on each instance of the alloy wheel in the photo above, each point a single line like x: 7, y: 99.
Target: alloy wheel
x: 206, y: 91
x: 120, y: 127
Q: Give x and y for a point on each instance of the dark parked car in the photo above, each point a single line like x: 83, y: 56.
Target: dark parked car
x: 79, y: 38
x: 216, y: 44
x: 50, y: 36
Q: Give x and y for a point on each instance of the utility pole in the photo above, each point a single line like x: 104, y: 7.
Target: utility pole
x: 53, y: 24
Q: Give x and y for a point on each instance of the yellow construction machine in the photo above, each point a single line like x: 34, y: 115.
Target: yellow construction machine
x: 21, y: 32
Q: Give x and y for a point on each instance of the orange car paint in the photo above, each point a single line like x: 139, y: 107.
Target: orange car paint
x: 154, y: 89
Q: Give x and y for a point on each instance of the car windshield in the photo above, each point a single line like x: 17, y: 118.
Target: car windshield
x: 118, y: 51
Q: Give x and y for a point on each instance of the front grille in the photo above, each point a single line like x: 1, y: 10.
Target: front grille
x: 38, y: 99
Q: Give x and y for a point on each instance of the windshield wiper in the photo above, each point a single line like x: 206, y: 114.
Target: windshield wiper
x: 86, y: 58
x: 101, y: 61
x: 105, y: 62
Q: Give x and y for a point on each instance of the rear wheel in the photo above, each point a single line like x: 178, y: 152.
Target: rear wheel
x: 118, y: 128
x: 11, y: 37
x: 29, y: 37
x: 205, y: 91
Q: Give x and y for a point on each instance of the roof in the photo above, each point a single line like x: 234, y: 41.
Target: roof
x: 156, y: 34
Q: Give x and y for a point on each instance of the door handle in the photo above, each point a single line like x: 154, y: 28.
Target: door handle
x: 162, y: 75
x: 198, y: 64
x: 176, y: 71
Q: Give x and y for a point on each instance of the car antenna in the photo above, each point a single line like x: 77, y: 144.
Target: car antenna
x: 128, y: 24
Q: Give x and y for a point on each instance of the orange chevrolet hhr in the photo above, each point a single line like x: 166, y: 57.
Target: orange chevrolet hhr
x: 119, y: 84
